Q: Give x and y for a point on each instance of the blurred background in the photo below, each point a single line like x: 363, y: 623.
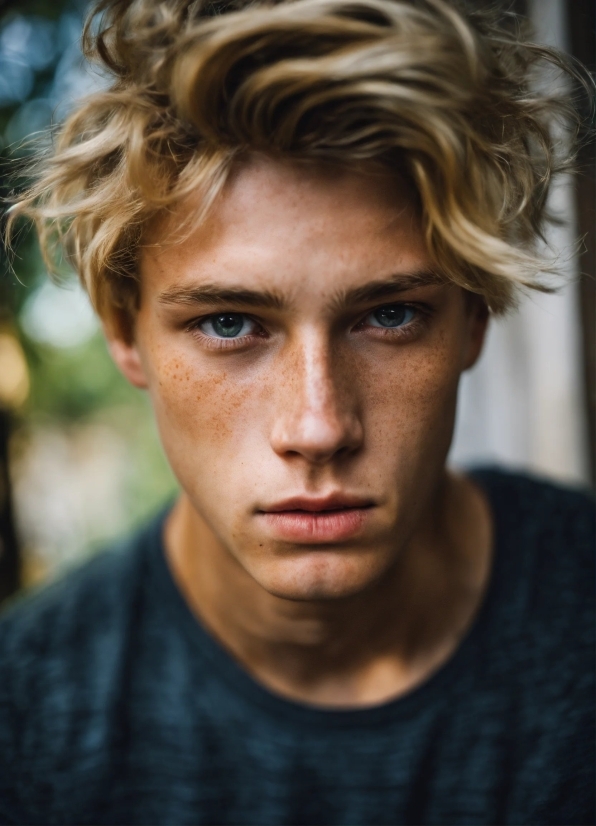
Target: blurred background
x: 80, y: 462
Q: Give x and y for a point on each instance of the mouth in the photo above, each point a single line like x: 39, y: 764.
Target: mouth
x: 306, y: 520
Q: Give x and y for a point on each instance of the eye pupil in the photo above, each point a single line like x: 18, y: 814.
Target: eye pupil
x: 391, y: 316
x: 228, y: 325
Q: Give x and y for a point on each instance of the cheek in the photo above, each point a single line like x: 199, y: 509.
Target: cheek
x: 411, y: 394
x: 201, y: 406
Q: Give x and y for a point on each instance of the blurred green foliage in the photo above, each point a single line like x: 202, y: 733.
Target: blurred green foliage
x: 72, y: 383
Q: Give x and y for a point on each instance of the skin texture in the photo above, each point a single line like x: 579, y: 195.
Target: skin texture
x: 315, y: 399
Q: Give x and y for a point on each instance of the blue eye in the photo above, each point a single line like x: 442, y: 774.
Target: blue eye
x: 391, y: 316
x: 227, y: 325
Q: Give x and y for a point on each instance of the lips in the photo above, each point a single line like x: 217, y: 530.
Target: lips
x: 306, y: 520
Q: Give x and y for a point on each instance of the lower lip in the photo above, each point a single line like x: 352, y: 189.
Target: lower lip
x: 317, y: 526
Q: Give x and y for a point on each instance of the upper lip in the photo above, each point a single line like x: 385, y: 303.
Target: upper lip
x: 333, y: 502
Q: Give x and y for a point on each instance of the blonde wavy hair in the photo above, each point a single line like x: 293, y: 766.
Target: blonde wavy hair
x: 442, y: 95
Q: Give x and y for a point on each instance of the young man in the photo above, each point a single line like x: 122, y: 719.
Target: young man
x: 293, y: 220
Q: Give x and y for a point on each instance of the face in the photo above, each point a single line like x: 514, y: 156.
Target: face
x: 303, y: 364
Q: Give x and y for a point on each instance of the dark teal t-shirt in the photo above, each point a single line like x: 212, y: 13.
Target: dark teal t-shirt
x: 117, y: 707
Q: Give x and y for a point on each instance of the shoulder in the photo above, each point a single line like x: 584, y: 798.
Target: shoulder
x: 540, y: 511
x: 543, y: 622
x: 62, y: 649
x: 78, y: 616
x: 545, y: 563
x: 43, y: 623
x: 533, y: 489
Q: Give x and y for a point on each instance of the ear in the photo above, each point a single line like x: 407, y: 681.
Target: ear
x: 125, y: 352
x: 478, y: 317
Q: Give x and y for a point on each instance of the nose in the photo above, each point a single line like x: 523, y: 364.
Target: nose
x: 316, y: 414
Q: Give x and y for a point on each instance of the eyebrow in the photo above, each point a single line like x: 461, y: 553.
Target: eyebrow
x: 385, y: 288
x: 214, y: 295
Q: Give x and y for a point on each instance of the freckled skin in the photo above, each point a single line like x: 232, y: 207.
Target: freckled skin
x: 379, y: 415
x: 313, y: 406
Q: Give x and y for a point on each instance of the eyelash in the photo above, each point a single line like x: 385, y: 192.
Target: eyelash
x: 410, y: 330
x: 423, y: 314
x: 213, y: 343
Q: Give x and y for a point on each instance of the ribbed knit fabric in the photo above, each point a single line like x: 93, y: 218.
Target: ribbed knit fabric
x: 117, y: 707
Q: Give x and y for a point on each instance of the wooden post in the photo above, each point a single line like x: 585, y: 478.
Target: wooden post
x: 581, y: 17
x: 10, y: 568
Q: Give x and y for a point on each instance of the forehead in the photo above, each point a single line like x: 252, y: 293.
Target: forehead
x: 291, y: 228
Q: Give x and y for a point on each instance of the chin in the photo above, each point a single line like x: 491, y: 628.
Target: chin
x: 318, y: 576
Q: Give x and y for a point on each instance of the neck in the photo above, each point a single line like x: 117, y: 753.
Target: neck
x: 358, y: 650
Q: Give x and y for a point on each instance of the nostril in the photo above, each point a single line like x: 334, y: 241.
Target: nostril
x: 317, y: 440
